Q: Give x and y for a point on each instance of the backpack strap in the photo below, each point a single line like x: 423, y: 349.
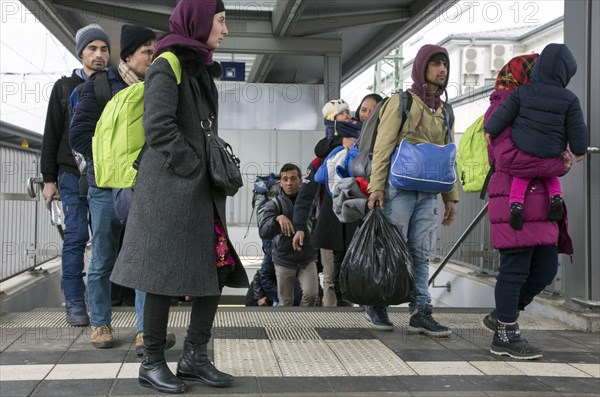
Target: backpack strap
x: 450, y: 111
x: 174, y: 62
x: 278, y: 204
x: 488, y: 177
x: 176, y: 66
x: 102, y: 89
x: 404, y: 106
x: 67, y: 88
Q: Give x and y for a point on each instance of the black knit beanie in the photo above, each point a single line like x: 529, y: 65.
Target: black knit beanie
x: 132, y: 37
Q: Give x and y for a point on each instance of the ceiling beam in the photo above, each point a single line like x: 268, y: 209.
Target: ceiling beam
x: 312, y: 26
x: 281, y: 45
x: 121, y: 9
x: 154, y: 16
x: 285, y: 15
x: 260, y: 68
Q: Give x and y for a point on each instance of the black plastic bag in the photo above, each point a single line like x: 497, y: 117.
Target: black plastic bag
x: 377, y: 269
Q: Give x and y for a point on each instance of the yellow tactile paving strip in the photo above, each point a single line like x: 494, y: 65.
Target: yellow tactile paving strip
x: 272, y: 319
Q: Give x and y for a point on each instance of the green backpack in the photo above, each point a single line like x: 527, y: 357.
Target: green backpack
x: 119, y: 136
x: 472, y: 158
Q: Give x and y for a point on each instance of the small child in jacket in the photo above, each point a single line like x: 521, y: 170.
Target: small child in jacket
x: 338, y: 121
x: 546, y: 117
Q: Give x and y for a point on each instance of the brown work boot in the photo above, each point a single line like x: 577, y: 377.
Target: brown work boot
x: 140, y: 349
x: 102, y: 336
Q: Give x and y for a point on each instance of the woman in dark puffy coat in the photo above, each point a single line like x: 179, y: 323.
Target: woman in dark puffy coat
x: 545, y: 117
x: 528, y: 257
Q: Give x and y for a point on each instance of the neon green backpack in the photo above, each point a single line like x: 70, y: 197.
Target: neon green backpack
x: 119, y: 135
x: 472, y: 158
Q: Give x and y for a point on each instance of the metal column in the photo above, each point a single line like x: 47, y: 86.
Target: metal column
x: 332, y: 81
x: 582, y: 185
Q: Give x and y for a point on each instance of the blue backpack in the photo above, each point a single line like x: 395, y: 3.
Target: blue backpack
x: 266, y: 187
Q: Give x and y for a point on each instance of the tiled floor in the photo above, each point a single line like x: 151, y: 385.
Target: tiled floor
x: 296, y: 352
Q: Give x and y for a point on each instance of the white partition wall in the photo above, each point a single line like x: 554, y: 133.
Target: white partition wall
x: 262, y: 152
x: 268, y: 125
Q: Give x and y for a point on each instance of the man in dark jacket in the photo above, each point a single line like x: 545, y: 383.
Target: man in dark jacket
x: 137, y: 46
x: 289, y: 263
x: 60, y: 172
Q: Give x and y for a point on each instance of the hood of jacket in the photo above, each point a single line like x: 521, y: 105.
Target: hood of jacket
x: 419, y: 86
x: 556, y: 66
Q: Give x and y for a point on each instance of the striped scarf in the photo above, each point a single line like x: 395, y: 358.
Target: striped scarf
x: 127, y: 74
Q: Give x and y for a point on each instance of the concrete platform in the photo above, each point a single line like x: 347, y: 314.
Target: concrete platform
x: 303, y: 352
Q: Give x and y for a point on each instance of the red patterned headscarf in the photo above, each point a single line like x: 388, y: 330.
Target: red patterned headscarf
x: 516, y: 72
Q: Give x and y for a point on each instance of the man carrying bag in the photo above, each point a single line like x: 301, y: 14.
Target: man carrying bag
x: 415, y: 211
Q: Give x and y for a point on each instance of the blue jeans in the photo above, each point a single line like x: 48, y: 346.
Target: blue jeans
x: 76, y: 236
x: 140, y: 300
x: 106, y: 232
x: 416, y: 215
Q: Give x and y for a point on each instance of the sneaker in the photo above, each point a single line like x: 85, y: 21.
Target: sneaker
x: 379, y: 319
x: 508, y: 342
x: 102, y: 336
x: 516, y: 216
x: 490, y: 322
x: 556, y: 207
x: 140, y: 348
x: 77, y: 314
x: 423, y: 322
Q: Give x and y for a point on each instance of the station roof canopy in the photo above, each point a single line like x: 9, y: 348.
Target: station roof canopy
x: 281, y: 41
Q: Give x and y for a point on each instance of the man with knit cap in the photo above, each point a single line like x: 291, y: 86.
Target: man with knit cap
x: 414, y: 212
x: 60, y: 172
x: 137, y: 47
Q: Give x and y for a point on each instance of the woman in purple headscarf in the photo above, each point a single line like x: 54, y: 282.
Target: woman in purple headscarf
x: 176, y: 242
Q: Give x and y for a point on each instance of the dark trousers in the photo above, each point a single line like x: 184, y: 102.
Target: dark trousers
x: 338, y: 258
x: 522, y: 276
x: 156, y: 317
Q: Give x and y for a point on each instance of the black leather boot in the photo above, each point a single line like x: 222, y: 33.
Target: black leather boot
x: 194, y: 365
x: 157, y: 375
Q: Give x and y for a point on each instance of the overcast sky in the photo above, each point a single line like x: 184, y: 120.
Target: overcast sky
x: 31, y: 59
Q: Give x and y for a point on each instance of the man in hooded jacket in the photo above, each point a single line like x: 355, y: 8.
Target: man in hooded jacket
x: 414, y: 212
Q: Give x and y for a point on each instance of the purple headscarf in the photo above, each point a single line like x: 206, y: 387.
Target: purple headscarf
x: 190, y: 25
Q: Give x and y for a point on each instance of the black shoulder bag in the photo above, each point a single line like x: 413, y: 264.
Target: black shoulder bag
x: 223, y: 165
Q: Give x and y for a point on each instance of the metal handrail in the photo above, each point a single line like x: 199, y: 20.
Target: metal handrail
x: 32, y: 182
x: 457, y: 244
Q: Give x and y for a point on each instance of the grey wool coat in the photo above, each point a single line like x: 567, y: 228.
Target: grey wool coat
x: 169, y: 244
